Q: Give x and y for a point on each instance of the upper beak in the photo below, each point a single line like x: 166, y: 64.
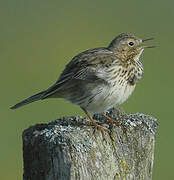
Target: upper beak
x: 144, y: 40
x: 147, y: 39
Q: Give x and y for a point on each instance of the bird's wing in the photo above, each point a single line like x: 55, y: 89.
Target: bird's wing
x: 83, y: 67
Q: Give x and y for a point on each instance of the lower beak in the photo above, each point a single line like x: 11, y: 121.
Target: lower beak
x: 149, y: 46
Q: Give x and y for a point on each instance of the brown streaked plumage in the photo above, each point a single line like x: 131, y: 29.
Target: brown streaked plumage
x: 100, y: 78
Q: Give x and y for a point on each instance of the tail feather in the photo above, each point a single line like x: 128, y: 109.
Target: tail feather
x: 31, y: 99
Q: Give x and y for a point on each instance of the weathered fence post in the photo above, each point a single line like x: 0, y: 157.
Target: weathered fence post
x: 67, y: 149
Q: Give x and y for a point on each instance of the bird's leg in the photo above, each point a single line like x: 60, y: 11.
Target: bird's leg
x: 112, y: 122
x: 98, y: 127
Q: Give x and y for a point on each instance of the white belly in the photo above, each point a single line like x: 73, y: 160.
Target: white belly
x: 109, y: 97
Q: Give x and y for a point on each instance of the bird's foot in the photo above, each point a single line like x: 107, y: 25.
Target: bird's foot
x: 101, y: 129
x: 114, y: 123
x: 96, y: 126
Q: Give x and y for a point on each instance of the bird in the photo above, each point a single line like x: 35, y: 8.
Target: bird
x: 100, y: 78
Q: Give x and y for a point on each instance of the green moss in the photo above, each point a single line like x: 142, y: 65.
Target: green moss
x: 92, y: 155
x: 117, y: 175
x: 125, y: 168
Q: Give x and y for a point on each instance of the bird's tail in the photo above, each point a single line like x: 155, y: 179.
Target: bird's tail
x: 31, y: 99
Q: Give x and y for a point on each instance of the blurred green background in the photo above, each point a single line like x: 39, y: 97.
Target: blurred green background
x: 38, y: 37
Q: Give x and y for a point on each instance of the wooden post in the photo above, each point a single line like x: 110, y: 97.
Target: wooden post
x: 67, y: 149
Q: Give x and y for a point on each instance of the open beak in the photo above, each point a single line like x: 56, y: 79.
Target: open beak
x: 148, y: 40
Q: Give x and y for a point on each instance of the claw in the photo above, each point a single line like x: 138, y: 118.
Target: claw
x: 113, y: 122
x: 102, y: 130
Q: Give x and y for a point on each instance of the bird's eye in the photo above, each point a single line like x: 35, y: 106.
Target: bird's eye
x: 131, y: 43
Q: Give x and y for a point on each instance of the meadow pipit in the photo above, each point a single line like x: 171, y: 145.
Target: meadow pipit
x: 100, y: 78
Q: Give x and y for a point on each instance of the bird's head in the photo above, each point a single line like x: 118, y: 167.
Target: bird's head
x: 127, y: 47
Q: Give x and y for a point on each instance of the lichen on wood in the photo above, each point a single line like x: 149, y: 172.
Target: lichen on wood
x: 68, y: 148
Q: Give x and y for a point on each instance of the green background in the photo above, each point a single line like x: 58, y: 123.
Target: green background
x: 37, y: 39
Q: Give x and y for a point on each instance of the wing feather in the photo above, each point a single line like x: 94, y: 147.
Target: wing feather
x: 83, y: 67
